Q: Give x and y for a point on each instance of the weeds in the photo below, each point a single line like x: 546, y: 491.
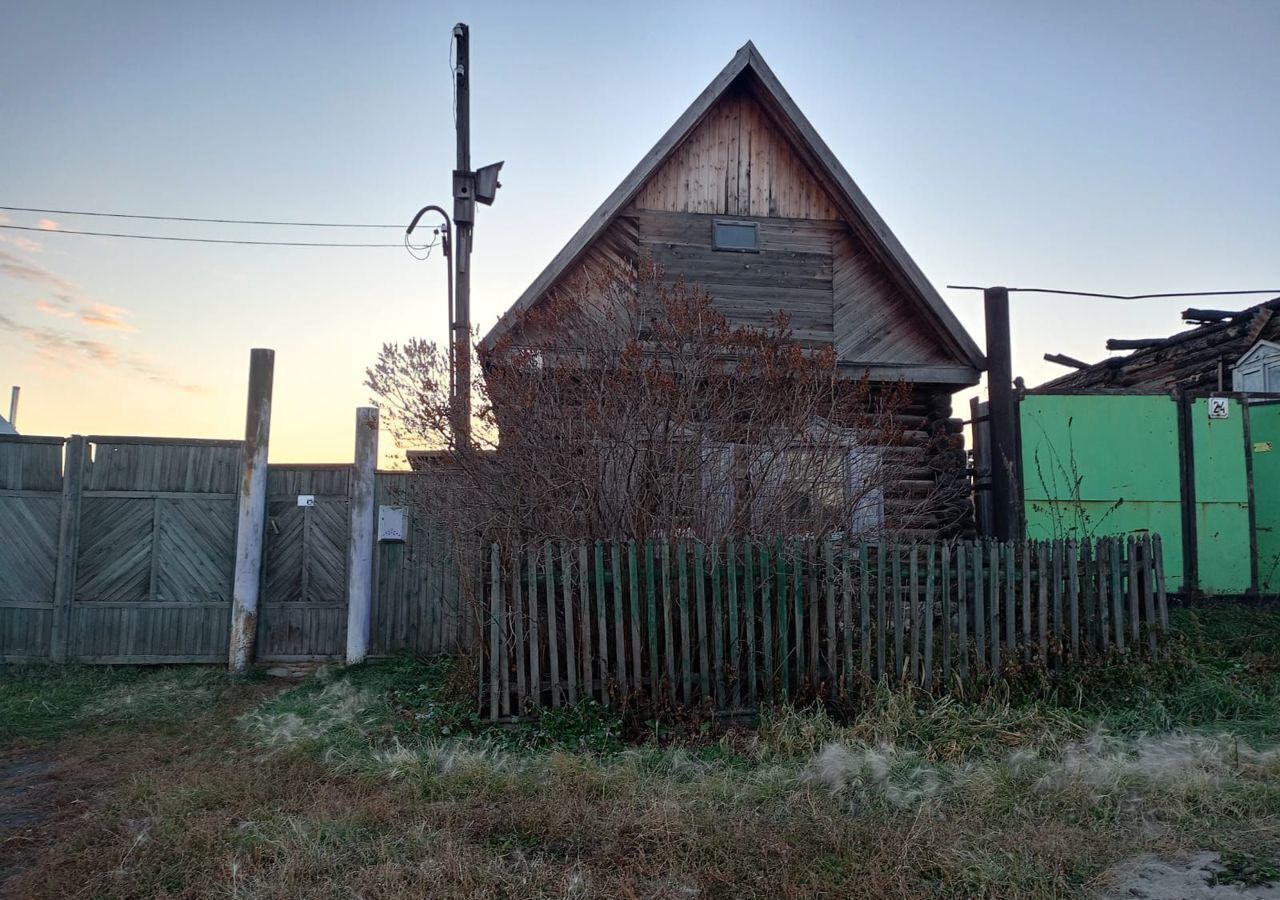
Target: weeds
x: 1245, y: 869
x: 380, y: 780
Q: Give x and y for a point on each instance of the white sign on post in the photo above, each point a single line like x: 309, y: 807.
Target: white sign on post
x: 1219, y: 408
x: 306, y: 499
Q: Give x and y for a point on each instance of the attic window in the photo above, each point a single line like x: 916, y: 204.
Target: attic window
x: 739, y: 237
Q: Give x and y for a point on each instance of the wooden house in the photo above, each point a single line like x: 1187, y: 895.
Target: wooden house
x: 742, y: 197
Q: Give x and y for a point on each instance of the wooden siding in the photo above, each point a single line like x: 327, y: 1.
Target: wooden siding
x: 792, y: 271
x: 874, y: 319
x: 616, y: 250
x: 736, y: 162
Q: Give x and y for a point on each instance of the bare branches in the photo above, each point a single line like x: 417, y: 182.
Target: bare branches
x: 625, y: 405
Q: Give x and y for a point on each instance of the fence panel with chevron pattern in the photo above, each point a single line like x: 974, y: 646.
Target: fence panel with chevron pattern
x: 304, y: 610
x: 156, y: 551
x: 30, y: 514
x: 132, y: 560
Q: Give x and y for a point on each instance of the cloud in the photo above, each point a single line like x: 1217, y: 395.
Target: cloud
x: 101, y: 315
x: 61, y: 347
x: 63, y: 291
x: 50, y: 309
x: 48, y: 225
x: 65, y: 300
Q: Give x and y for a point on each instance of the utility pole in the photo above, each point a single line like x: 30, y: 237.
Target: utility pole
x: 464, y: 215
x: 1001, y: 412
x: 468, y: 187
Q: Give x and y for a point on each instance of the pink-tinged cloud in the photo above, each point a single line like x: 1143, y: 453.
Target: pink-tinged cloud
x: 63, y: 291
x: 27, y: 244
x: 67, y: 349
x: 50, y: 309
x: 101, y: 315
x: 48, y: 225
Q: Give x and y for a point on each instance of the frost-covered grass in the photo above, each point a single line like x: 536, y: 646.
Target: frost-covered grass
x: 379, y: 781
x: 43, y: 701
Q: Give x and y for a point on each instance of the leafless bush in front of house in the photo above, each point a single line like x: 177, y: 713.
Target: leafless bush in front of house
x: 624, y: 405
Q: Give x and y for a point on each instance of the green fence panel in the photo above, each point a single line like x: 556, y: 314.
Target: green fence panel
x: 1264, y: 438
x: 1100, y: 464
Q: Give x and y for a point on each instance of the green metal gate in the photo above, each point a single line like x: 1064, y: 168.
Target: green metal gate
x: 1264, y: 456
x: 1202, y: 471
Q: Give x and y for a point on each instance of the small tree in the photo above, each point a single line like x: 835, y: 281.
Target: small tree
x: 623, y: 405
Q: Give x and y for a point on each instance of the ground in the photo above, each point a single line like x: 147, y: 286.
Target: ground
x: 1128, y: 780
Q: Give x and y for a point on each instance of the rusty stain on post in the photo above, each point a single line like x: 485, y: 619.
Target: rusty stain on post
x: 252, y: 513
x: 360, y: 547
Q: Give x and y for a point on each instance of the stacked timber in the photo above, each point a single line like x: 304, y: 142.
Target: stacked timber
x: 1197, y: 359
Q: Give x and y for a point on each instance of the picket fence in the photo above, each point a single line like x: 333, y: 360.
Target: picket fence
x: 738, y: 624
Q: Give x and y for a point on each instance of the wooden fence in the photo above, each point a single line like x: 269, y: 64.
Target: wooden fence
x: 122, y: 550
x: 735, y: 625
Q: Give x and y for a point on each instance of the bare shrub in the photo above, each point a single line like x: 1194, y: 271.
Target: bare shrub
x: 623, y: 405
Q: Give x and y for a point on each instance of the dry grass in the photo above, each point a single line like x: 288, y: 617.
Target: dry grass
x: 360, y: 784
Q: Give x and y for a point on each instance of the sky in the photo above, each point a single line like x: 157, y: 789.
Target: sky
x: 1106, y: 146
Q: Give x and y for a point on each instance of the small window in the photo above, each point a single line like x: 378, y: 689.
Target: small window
x: 742, y: 237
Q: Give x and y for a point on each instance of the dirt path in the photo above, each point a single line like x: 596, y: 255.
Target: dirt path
x: 28, y: 792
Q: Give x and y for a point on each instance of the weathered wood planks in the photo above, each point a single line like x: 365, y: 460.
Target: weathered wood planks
x: 731, y: 626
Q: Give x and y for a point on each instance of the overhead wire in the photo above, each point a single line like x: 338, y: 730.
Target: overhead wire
x: 112, y: 215
x: 1036, y: 290
x: 194, y: 240
x: 411, y: 247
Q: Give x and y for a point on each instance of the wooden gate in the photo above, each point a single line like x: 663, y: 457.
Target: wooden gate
x: 304, y: 609
x: 156, y: 551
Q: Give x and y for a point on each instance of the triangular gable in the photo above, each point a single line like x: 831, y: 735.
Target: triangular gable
x: 823, y: 191
x: 1269, y: 349
x: 736, y: 162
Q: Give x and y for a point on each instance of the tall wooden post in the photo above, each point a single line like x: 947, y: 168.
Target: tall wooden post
x: 360, y: 546
x: 64, y: 585
x: 1002, y: 410
x: 464, y: 206
x: 250, y: 529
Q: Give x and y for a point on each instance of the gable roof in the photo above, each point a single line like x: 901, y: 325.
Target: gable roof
x: 852, y: 203
x: 5, y: 427
x: 1188, y: 359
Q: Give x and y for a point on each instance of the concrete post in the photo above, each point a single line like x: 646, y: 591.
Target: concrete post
x: 250, y: 529
x: 360, y: 548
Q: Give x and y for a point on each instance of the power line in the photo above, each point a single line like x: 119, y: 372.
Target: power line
x: 194, y: 240
x: 1032, y: 290
x: 108, y: 215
